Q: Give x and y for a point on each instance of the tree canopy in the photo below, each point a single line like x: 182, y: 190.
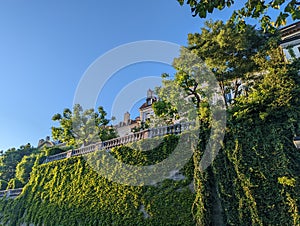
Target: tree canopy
x: 256, y: 9
x: 232, y: 55
x: 10, y: 159
x: 235, y: 58
x: 82, y: 127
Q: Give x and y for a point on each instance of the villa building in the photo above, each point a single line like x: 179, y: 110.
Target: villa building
x: 47, y: 142
x: 290, y: 41
x: 124, y: 128
x: 127, y: 125
x: 146, y: 109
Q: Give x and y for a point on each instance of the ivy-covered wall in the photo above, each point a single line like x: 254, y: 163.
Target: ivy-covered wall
x: 255, y: 176
x: 70, y: 192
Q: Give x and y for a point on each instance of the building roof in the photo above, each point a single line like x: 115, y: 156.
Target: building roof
x: 46, y: 143
x: 292, y: 28
x: 147, y: 104
x: 290, y: 33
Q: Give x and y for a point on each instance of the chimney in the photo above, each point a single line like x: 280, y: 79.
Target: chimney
x: 150, y: 94
x: 126, y: 118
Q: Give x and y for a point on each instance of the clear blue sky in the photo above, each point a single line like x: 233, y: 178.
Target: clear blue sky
x: 46, y: 46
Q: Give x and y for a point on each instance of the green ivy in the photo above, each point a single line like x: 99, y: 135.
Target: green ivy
x: 256, y: 174
x: 70, y: 192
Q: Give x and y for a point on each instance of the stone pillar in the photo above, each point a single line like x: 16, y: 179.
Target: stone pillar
x: 69, y: 154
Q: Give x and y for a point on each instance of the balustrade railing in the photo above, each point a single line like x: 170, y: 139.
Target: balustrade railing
x: 83, y: 150
x: 11, y: 192
x: 56, y: 157
x: 125, y: 140
x: 149, y: 133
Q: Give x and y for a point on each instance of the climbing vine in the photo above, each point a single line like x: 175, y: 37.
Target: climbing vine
x: 70, y: 192
x: 257, y: 171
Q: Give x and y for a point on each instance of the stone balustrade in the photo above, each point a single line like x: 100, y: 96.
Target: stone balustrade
x: 83, y: 150
x: 172, y: 129
x: 56, y: 157
x: 11, y: 193
x: 149, y: 133
x: 124, y: 140
x: 145, y: 134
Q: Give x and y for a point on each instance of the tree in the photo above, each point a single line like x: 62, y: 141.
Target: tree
x: 10, y: 159
x: 171, y: 100
x: 256, y: 9
x: 230, y: 54
x: 82, y: 127
x: 180, y: 97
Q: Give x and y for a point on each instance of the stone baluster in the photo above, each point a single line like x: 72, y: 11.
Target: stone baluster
x: 69, y: 154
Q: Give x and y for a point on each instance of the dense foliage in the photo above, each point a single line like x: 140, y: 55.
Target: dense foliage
x: 24, y: 168
x: 230, y: 54
x: 255, y: 178
x: 256, y: 9
x: 257, y: 172
x: 70, y: 192
x: 82, y: 127
x: 258, y: 169
x: 11, y: 158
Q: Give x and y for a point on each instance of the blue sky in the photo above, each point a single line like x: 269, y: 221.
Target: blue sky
x: 46, y: 46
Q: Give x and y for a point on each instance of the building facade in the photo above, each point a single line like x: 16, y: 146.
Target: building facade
x: 290, y: 41
x: 146, y: 109
x: 127, y: 125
